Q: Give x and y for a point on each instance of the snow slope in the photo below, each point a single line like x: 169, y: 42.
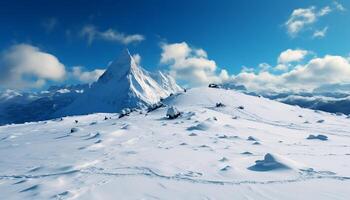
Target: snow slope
x: 245, y: 148
x: 123, y: 85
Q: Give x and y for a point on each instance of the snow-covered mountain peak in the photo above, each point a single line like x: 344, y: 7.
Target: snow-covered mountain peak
x: 119, y: 68
x: 123, y: 85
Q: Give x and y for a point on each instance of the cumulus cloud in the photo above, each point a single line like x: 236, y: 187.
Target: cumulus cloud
x: 303, y: 18
x: 201, y: 53
x: 281, y: 67
x: 26, y: 66
x: 190, y: 64
x: 300, y: 18
x: 320, y: 33
x: 176, y: 51
x: 264, y: 66
x: 291, y: 55
x: 84, y: 76
x: 318, y: 71
x: 92, y: 33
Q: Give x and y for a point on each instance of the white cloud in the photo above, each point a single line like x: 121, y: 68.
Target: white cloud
x: 324, y: 11
x: 281, y: 67
x: 201, y: 53
x: 264, y: 66
x: 320, y: 33
x: 224, y: 76
x: 26, y: 66
x: 289, y: 73
x: 176, y: 51
x: 300, y: 18
x: 303, y: 18
x: 291, y: 55
x: 190, y: 64
x: 84, y: 76
x: 91, y: 33
x: 263, y: 81
x: 318, y: 71
x: 339, y: 6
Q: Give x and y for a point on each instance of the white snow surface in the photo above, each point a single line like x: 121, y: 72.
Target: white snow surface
x: 203, y: 154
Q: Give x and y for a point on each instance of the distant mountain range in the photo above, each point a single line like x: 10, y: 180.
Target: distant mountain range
x: 333, y: 98
x: 18, y: 107
x: 329, y: 102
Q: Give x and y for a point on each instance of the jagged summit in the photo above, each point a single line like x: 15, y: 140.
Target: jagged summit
x: 119, y: 68
x: 123, y: 85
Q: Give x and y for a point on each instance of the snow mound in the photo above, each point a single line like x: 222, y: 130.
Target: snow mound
x: 251, y: 138
x: 272, y: 162
x: 319, y: 137
x: 172, y: 113
x: 203, y: 126
x: 74, y: 129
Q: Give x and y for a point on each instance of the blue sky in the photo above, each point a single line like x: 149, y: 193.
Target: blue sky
x: 232, y: 33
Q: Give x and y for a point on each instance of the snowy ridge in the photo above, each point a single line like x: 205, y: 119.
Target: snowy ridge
x: 224, y: 145
x: 167, y: 82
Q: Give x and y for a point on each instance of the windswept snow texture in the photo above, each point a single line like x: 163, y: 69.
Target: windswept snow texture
x: 203, y: 154
x: 123, y: 85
